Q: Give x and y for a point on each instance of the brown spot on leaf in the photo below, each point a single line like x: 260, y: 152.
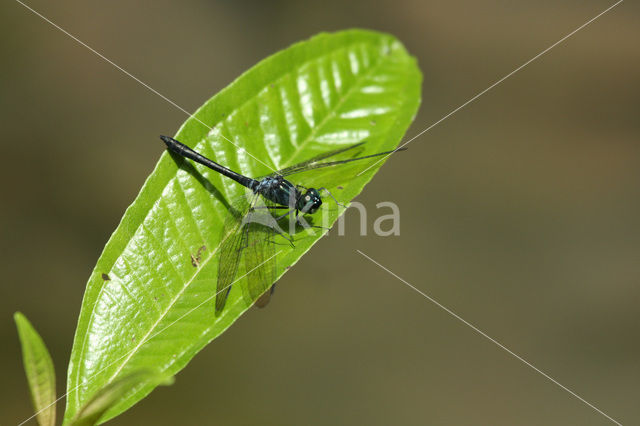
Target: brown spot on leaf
x: 195, y: 260
x: 340, y: 187
x: 106, y: 277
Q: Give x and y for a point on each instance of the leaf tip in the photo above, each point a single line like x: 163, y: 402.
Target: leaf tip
x: 39, y: 370
x: 19, y: 317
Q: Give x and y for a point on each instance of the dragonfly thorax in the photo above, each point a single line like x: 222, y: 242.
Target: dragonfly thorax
x: 280, y: 191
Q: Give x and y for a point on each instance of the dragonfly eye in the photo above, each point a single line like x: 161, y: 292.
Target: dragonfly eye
x: 310, y: 202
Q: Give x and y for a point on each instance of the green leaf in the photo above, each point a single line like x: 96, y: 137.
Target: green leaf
x: 149, y: 301
x: 39, y: 370
x: 109, y: 395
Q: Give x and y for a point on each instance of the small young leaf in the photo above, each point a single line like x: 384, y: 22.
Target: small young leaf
x: 109, y: 395
x: 39, y: 370
x: 148, y: 302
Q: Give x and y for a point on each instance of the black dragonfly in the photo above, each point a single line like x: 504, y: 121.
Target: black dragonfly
x: 251, y: 231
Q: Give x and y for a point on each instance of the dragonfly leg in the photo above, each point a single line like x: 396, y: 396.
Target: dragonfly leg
x: 305, y: 224
x: 286, y: 237
x: 331, y: 195
x: 286, y: 214
x: 282, y: 244
x: 270, y: 207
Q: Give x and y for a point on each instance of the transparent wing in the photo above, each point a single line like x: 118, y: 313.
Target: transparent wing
x: 252, y: 234
x: 230, y: 253
x: 329, y: 154
x: 311, y: 165
x: 259, y: 260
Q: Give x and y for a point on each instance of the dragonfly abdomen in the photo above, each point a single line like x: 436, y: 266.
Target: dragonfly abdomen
x: 183, y: 150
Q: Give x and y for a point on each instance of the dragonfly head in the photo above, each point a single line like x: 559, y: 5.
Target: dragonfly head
x: 309, y: 202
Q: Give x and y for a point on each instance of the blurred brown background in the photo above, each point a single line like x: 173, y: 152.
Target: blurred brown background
x: 520, y: 212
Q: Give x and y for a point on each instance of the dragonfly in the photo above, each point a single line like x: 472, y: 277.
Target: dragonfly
x: 252, y: 228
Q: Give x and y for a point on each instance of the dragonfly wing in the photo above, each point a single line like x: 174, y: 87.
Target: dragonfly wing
x: 231, y: 251
x: 260, y: 253
x: 251, y: 235
x: 260, y: 261
x: 329, y: 154
x: 265, y: 298
x: 313, y: 165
